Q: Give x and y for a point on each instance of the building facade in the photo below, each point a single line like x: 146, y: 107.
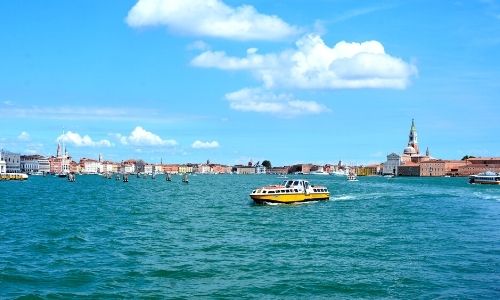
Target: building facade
x: 90, y: 166
x: 392, y: 164
x: 245, y: 170
x: 3, y: 165
x: 478, y: 165
x: 171, y: 169
x: 12, y: 161
x: 35, y: 164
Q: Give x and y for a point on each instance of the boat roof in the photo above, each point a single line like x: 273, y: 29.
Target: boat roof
x: 487, y: 173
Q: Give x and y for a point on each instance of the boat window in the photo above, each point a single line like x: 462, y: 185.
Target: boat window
x: 271, y: 192
x: 295, y: 183
x: 296, y: 190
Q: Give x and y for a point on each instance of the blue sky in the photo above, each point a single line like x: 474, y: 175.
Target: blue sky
x: 289, y: 81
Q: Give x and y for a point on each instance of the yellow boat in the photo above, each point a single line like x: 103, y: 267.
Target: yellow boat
x: 13, y: 176
x: 291, y: 191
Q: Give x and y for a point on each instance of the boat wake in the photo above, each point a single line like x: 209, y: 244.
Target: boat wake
x: 344, y: 198
x: 486, y: 196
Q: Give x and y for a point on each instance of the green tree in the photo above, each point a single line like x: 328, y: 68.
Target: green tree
x: 266, y: 164
x: 467, y: 157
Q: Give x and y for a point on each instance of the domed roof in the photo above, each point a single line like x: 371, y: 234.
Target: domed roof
x: 410, y: 150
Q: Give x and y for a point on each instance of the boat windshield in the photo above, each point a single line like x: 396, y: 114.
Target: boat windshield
x: 287, y: 183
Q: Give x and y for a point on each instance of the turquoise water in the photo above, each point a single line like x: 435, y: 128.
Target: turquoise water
x: 376, y: 238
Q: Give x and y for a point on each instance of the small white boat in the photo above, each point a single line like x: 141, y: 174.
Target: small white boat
x: 338, y: 173
x: 352, y: 177
x: 485, y: 178
x: 319, y: 173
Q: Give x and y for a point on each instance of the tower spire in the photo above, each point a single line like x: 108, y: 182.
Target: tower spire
x: 412, y: 137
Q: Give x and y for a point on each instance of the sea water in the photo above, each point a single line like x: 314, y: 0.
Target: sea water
x: 375, y: 238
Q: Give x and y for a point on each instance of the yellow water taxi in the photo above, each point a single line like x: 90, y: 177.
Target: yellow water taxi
x: 291, y: 191
x: 13, y: 176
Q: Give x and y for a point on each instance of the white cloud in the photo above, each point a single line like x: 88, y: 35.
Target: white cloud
x: 211, y: 18
x: 82, y: 141
x: 205, y: 145
x: 264, y: 101
x: 24, y: 136
x: 315, y: 65
x: 141, y: 137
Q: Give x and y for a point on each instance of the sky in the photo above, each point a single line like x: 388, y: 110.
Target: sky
x: 290, y: 81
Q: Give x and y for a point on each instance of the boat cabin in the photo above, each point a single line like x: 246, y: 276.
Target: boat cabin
x: 290, y: 187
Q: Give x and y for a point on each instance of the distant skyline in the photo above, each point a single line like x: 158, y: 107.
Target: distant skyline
x: 232, y: 81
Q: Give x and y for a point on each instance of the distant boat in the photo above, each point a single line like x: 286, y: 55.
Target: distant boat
x: 13, y: 176
x: 185, y: 178
x: 282, y: 176
x: 352, y: 177
x: 169, y: 177
x: 338, y: 173
x: 485, y: 178
x: 319, y: 173
x: 71, y: 177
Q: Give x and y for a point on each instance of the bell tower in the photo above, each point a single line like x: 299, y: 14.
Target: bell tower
x: 412, y: 138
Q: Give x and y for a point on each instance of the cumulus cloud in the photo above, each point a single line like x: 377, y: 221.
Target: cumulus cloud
x: 82, y: 141
x: 141, y: 137
x: 315, y: 65
x: 211, y: 18
x: 24, y: 136
x: 264, y: 101
x: 205, y: 145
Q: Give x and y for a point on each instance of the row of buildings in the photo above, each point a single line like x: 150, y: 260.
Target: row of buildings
x: 409, y: 163
x: 412, y: 163
x: 62, y: 163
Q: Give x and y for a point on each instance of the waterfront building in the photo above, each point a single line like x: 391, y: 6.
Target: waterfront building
x: 279, y: 170
x: 12, y: 161
x: 245, y: 169
x: 204, y: 169
x: 35, y: 164
x: 409, y: 161
x: 439, y: 167
x: 3, y: 164
x: 171, y: 169
x: 478, y: 165
x: 158, y: 169
x: 109, y: 167
x: 220, y: 169
x: 260, y: 169
x: 60, y: 164
x: 392, y: 164
x: 128, y: 166
x: 148, y: 169
x: 369, y: 170
x: 74, y: 167
x: 409, y: 169
x: 90, y: 166
x: 185, y: 169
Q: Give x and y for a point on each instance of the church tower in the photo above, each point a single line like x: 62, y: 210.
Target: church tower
x: 412, y: 138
